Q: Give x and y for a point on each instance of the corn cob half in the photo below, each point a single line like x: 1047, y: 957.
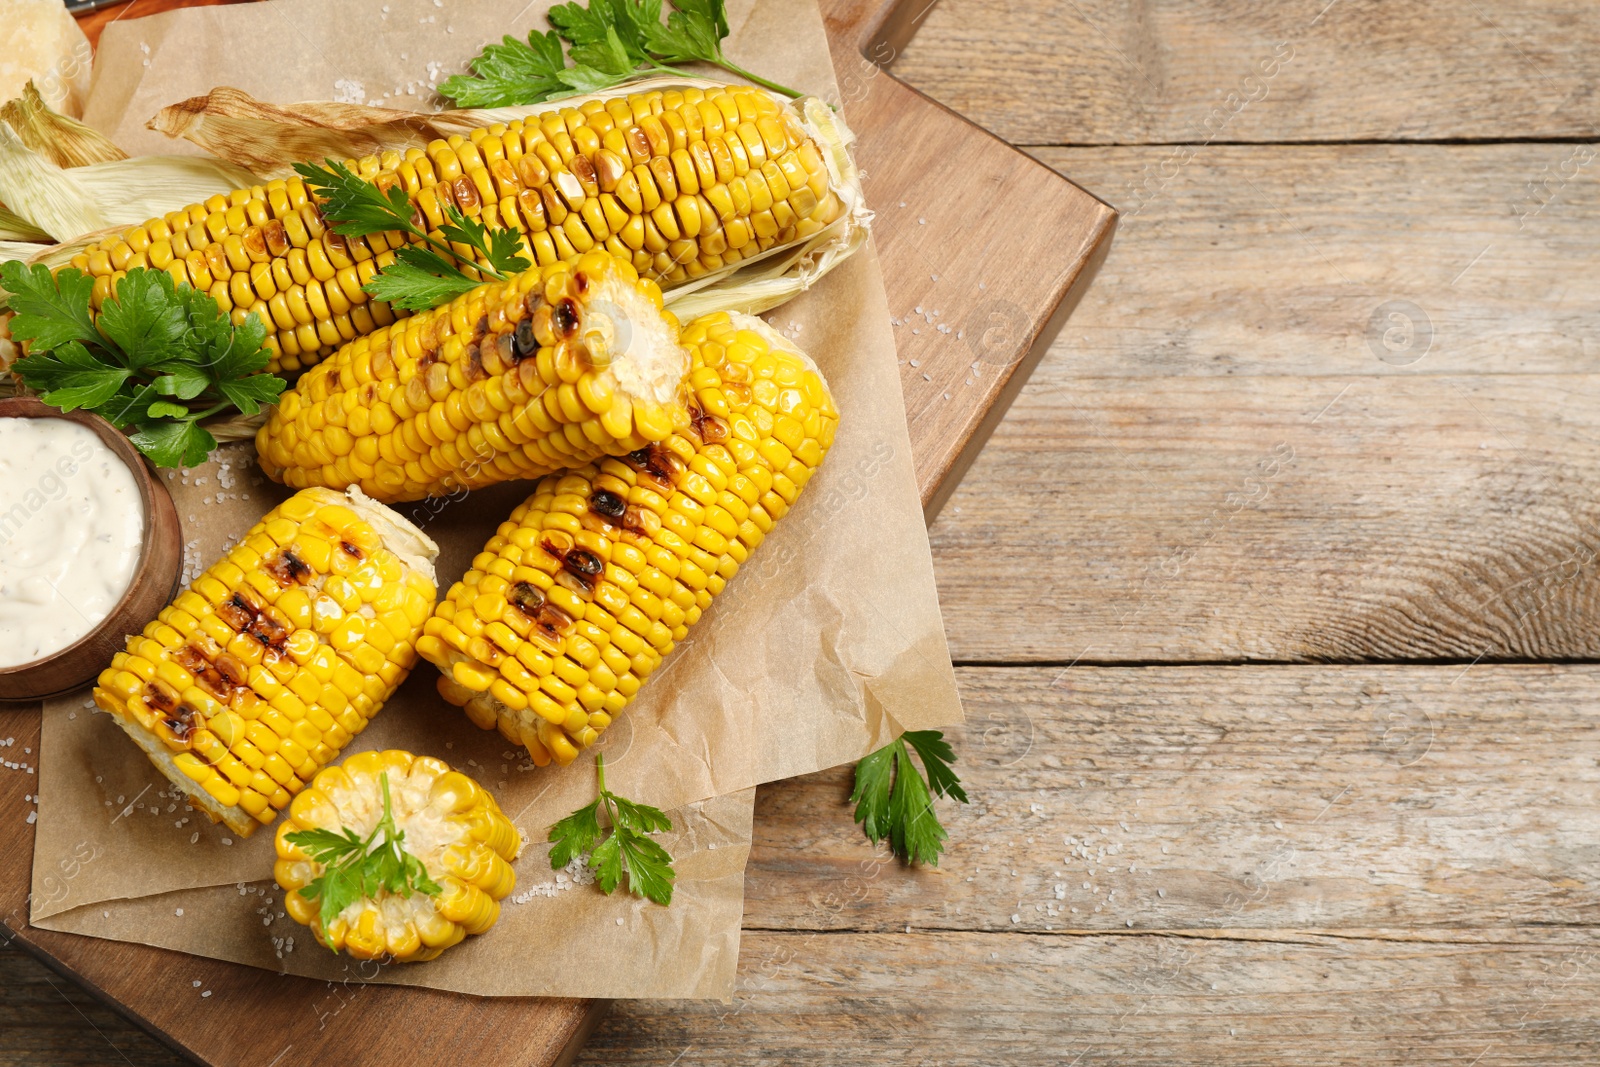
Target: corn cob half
x: 515, y: 379
x: 577, y: 598
x: 264, y: 668
x: 682, y: 182
x: 451, y: 824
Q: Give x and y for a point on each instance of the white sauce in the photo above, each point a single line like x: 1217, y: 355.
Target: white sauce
x: 71, y: 523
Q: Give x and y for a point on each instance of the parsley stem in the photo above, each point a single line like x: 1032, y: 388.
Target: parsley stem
x: 734, y: 68
x: 208, y: 412
x: 444, y: 247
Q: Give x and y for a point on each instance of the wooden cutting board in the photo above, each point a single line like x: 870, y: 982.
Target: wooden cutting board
x: 985, y: 252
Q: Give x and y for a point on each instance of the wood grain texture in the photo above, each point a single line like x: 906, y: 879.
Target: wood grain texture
x: 1255, y: 260
x: 1385, y: 864
x: 1279, y: 518
x: 989, y: 299
x: 1176, y: 71
x: 1419, y: 801
x: 1269, y: 865
x: 1038, y: 1000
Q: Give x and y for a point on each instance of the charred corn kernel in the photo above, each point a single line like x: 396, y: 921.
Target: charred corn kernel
x: 572, y: 177
x: 450, y: 824
x: 601, y: 571
x: 556, y: 367
x: 235, y: 679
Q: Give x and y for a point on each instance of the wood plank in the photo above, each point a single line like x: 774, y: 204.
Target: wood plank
x: 1041, y: 1000
x: 994, y: 297
x: 1388, y: 865
x: 1279, y: 518
x: 1274, y: 260
x: 1411, y: 798
x: 1427, y: 513
x: 1393, y: 862
x: 1174, y: 71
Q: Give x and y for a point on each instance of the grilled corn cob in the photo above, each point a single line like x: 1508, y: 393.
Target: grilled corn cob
x: 450, y: 823
x: 577, y: 598
x: 680, y: 182
x: 515, y: 379
x: 263, y: 669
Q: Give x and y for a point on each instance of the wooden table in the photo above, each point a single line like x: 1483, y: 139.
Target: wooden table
x: 1275, y: 593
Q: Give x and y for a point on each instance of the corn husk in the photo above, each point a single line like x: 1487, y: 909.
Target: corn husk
x: 18, y: 230
x: 62, y: 183
x: 64, y: 141
x: 268, y: 138
x: 41, y: 193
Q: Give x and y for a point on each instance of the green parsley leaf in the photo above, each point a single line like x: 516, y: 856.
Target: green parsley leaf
x: 628, y: 852
x: 937, y: 756
x: 50, y: 310
x: 173, y: 444
x: 424, y: 275
x: 412, y: 287
x: 894, y: 801
x: 146, y: 322
x: 182, y: 380
x: 511, y: 73
x: 252, y: 393
x: 160, y: 359
x: 502, y: 248
x: 357, y: 207
x: 70, y: 378
x: 649, y: 867
x: 611, y: 42
x: 357, y: 868
x: 574, y: 835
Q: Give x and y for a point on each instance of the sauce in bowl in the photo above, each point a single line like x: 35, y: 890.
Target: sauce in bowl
x: 71, y: 526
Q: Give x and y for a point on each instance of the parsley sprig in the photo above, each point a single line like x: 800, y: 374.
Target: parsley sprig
x: 356, y: 868
x: 423, y: 275
x: 160, y: 358
x: 627, y: 849
x: 893, y: 800
x: 609, y: 42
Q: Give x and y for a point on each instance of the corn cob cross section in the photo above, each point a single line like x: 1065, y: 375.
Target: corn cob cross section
x: 680, y: 182
x: 560, y: 365
x: 577, y: 599
x: 451, y: 824
x: 264, y: 668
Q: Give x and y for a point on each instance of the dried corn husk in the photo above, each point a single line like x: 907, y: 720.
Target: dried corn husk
x: 60, y: 181
x: 16, y: 229
x: 269, y: 138
x: 43, y: 194
x: 63, y: 141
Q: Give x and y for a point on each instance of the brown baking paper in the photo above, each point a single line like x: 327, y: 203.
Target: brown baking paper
x: 824, y: 647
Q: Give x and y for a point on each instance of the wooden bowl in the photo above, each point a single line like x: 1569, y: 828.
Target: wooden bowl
x: 155, y: 578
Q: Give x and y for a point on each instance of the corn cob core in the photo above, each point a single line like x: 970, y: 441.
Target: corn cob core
x: 513, y: 380
x: 679, y: 182
x: 264, y: 668
x: 577, y: 599
x: 451, y: 824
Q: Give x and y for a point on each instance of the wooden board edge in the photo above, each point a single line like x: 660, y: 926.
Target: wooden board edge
x: 940, y: 492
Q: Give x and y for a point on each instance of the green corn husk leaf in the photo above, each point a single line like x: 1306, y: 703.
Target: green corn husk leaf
x: 63, y: 141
